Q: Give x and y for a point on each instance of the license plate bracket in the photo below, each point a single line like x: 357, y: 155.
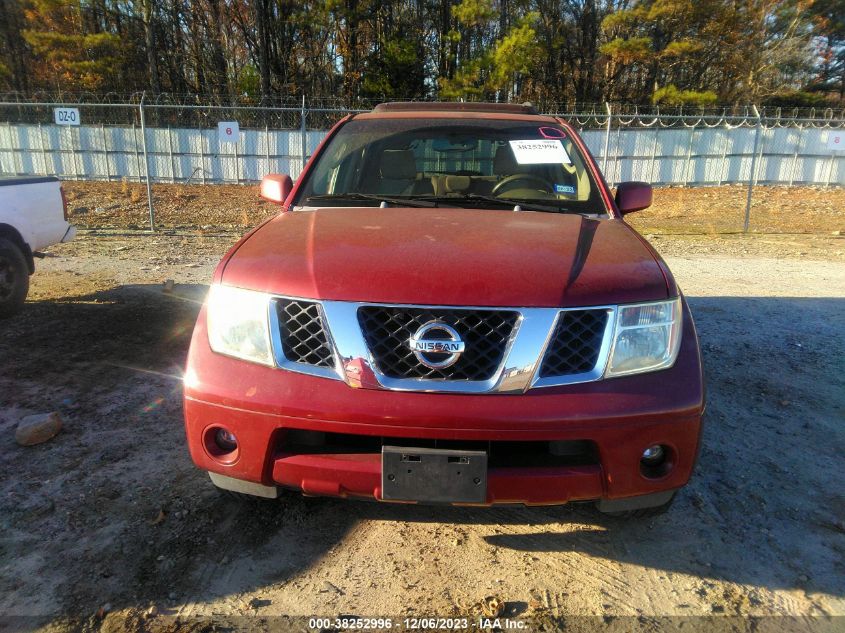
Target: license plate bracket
x: 431, y: 475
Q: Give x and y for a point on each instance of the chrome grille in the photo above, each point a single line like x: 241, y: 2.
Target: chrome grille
x: 387, y: 330
x: 575, y: 344
x: 302, y: 333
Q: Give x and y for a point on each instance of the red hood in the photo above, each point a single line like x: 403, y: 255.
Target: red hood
x: 448, y: 257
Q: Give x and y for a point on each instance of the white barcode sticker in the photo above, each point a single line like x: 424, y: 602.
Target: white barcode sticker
x: 539, y: 152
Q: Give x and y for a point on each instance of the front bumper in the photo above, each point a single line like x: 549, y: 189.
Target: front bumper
x: 620, y: 416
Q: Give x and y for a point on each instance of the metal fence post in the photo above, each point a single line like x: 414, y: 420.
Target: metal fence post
x: 76, y: 143
x: 795, y: 155
x: 17, y: 151
x: 606, y: 138
x: 753, y: 175
x: 760, y: 154
x: 137, y: 156
x: 43, y: 150
x: 106, y: 151
x: 651, y: 177
x: 304, y: 135
x: 237, y: 160
x: 267, y: 169
x: 202, y: 155
x: 689, y: 155
x: 830, y: 167
x: 72, y: 152
x: 170, y: 154
x: 617, y: 163
x: 147, y: 164
x: 723, y: 165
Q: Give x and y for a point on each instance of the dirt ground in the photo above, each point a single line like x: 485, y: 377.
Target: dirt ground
x: 703, y: 210
x: 109, y: 526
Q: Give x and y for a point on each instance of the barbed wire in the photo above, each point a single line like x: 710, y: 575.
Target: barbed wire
x: 171, y: 109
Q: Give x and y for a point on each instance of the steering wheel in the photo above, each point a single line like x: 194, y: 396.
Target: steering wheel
x: 508, y: 183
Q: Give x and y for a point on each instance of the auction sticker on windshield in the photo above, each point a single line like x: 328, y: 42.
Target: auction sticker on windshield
x: 539, y: 152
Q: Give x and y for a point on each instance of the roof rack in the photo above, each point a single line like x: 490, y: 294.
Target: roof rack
x: 455, y: 106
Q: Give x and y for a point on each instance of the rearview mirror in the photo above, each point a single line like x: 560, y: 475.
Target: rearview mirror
x: 276, y: 187
x: 633, y: 196
x: 454, y: 144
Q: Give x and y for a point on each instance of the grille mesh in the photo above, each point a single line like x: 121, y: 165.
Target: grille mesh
x: 303, y: 338
x: 485, y: 333
x: 575, y: 344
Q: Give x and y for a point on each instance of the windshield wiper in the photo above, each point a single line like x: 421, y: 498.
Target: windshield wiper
x: 522, y: 204
x: 400, y: 201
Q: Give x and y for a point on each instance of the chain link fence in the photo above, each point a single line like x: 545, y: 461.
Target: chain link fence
x: 170, y: 143
x: 165, y: 142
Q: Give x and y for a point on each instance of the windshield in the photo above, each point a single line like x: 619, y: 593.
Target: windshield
x: 458, y: 162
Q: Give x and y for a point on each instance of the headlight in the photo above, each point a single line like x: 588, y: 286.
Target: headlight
x: 647, y: 337
x: 238, y: 323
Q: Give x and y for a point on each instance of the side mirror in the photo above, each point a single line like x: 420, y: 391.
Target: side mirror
x: 276, y: 187
x: 633, y: 196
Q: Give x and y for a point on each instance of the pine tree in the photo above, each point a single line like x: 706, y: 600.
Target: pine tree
x: 68, y: 56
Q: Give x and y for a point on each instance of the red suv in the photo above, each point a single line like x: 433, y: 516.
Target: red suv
x: 449, y: 308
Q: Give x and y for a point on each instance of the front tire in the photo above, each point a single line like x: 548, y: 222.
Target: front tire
x: 14, y: 278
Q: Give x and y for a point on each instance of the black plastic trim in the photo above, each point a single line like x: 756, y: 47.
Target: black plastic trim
x: 6, y: 181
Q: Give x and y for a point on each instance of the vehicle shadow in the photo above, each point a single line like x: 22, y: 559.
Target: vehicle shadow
x: 117, y: 500
x: 764, y: 507
x: 139, y: 327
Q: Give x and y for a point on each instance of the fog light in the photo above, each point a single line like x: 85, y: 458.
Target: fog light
x: 653, y: 455
x: 657, y: 461
x: 225, y: 440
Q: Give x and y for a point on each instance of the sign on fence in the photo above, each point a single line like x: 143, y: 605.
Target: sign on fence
x: 836, y: 140
x: 66, y: 116
x: 228, y: 132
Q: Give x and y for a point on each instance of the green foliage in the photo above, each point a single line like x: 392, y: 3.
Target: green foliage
x: 670, y: 10
x: 682, y: 48
x: 495, y: 68
x: 680, y: 51
x: 474, y: 13
x: 628, y: 51
x: 799, y: 99
x: 248, y: 82
x: 670, y: 95
x: 467, y: 82
x: 829, y: 20
x: 77, y: 60
x: 516, y: 53
x: 70, y: 57
x: 624, y: 19
x: 669, y: 51
x: 395, y: 71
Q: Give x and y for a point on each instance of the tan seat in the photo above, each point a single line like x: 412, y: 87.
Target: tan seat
x: 444, y: 184
x: 397, y: 172
x: 504, y: 162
